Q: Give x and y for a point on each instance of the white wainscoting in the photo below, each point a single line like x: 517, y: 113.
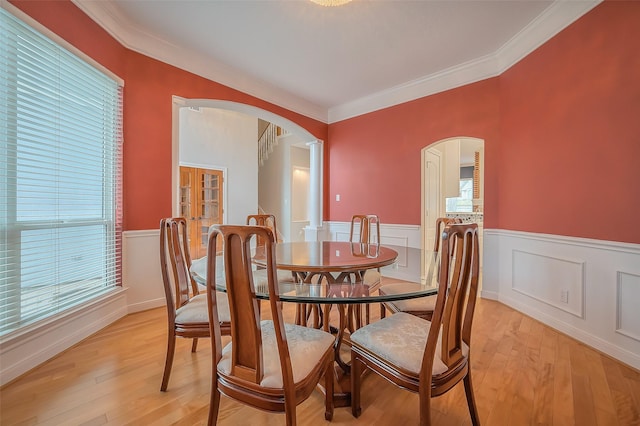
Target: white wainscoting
x: 397, y: 235
x: 523, y: 270
x: 141, y: 273
x: 531, y: 273
x: 408, y: 265
x: 628, y: 297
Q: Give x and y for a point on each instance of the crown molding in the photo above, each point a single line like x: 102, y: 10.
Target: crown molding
x: 470, y: 72
x: 109, y: 17
x: 559, y: 15
x: 550, y: 22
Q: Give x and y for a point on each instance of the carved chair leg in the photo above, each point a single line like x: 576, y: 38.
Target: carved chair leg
x: 326, y: 311
x: 290, y: 413
x: 356, y: 376
x: 328, y: 387
x: 425, y: 407
x: 171, y: 348
x: 214, y: 404
x: 471, y: 401
x: 317, y: 316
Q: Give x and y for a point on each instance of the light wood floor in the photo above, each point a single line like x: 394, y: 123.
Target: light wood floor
x: 524, y: 373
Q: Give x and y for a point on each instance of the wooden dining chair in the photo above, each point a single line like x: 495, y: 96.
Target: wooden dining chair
x: 423, y: 306
x: 303, y: 310
x: 365, y: 229
x: 268, y: 364
x: 364, y: 223
x: 427, y: 357
x: 186, y: 307
x: 267, y: 220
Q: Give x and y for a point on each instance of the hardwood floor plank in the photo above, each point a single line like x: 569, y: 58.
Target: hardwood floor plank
x: 543, y: 395
x: 624, y: 385
x: 581, y: 383
x: 563, y: 411
x: 523, y: 373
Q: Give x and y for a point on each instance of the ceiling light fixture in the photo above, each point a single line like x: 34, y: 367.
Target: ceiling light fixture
x: 331, y: 2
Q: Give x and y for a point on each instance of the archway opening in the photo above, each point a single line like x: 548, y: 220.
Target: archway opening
x: 452, y: 185
x: 229, y: 142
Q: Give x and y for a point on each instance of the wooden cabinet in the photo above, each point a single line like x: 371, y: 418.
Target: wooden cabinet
x: 201, y: 204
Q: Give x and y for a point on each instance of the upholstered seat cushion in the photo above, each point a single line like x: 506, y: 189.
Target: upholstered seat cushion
x: 372, y: 277
x: 401, y: 339
x: 306, y: 348
x: 260, y: 276
x: 196, y: 311
x: 427, y: 303
x: 261, y: 283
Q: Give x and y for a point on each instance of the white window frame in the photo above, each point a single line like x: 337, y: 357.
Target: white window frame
x: 12, y: 322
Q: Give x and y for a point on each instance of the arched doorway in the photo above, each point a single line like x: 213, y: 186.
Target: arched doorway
x: 234, y: 112
x: 452, y: 184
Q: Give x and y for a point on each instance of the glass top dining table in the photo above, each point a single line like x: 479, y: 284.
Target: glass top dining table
x: 332, y: 272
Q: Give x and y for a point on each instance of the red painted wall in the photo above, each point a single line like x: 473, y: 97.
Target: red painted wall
x: 570, y: 115
x: 561, y: 131
x: 374, y: 159
x: 149, y: 87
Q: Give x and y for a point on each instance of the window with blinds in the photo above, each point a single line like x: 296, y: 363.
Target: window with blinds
x: 60, y: 178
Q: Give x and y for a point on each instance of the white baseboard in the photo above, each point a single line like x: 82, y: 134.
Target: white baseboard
x: 30, y: 348
x: 146, y: 305
x: 532, y: 272
x: 141, y: 273
x: 491, y: 295
x: 607, y: 347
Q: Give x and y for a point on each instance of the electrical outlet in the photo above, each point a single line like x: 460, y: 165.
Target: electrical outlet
x: 564, y: 296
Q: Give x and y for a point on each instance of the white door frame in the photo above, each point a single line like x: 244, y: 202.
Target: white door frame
x: 426, y: 205
x: 424, y: 227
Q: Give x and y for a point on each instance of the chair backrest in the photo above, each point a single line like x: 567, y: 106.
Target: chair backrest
x: 456, y: 300
x: 441, y: 222
x: 267, y: 220
x: 366, y: 222
x: 247, y: 357
x: 175, y: 262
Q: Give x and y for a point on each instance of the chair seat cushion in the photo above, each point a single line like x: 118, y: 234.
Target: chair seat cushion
x: 427, y: 304
x: 372, y: 277
x: 400, y: 339
x: 307, y: 346
x: 196, y: 311
x: 260, y: 277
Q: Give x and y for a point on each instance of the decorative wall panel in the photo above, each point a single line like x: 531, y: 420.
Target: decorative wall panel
x: 628, y: 314
x: 552, y: 280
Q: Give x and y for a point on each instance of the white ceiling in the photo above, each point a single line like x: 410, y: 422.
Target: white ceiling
x: 337, y: 62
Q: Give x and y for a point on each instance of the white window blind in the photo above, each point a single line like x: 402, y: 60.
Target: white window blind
x: 60, y: 178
